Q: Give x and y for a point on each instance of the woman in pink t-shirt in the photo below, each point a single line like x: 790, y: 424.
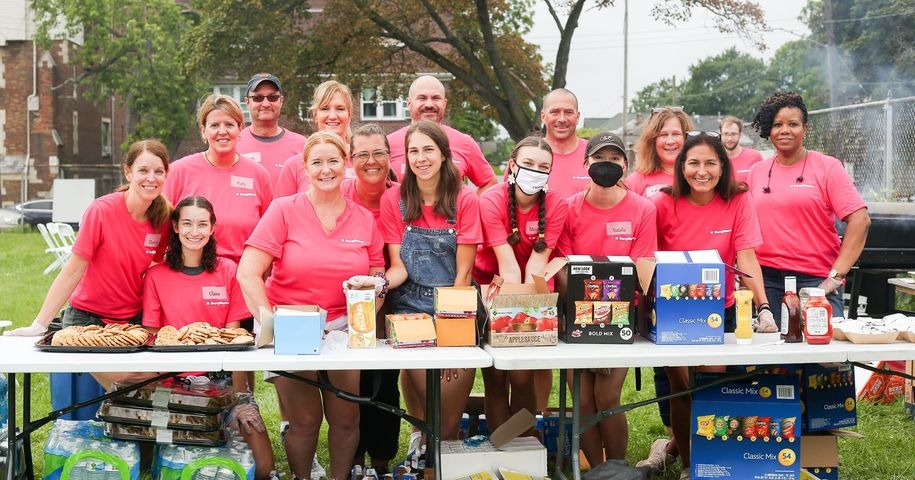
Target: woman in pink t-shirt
x: 522, y: 223
x: 119, y: 235
x: 707, y: 208
x: 296, y: 237
x: 659, y: 145
x: 431, y: 225
x: 331, y: 110
x: 607, y: 219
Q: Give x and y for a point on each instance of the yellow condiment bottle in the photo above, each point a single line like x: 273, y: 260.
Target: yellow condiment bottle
x: 743, y: 300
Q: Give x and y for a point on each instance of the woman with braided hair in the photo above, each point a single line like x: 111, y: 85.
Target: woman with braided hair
x: 607, y: 219
x: 522, y: 223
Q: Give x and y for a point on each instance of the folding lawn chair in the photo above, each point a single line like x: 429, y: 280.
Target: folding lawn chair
x: 60, y: 251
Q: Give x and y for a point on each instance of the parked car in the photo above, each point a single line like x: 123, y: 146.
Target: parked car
x: 35, y: 211
x: 9, y: 218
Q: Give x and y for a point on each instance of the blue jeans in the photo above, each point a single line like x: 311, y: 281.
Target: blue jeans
x: 774, y: 282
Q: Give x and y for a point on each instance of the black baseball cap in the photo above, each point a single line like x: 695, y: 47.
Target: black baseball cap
x: 260, y: 78
x: 605, y: 139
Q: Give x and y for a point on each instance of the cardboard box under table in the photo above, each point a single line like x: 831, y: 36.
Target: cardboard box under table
x: 525, y: 314
x: 746, y: 429
x: 456, y: 316
x: 682, y: 301
x: 599, y: 300
x: 820, y: 454
x: 504, y: 448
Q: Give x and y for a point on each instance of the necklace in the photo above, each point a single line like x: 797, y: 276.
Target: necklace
x: 206, y: 155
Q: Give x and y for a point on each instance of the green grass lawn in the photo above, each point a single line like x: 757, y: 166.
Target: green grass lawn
x: 885, y: 453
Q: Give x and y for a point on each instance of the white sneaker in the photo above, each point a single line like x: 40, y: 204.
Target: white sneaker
x: 684, y: 474
x: 317, y: 471
x: 658, y: 458
x: 415, y: 439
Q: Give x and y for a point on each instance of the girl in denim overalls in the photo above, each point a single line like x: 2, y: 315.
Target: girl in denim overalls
x: 432, y: 227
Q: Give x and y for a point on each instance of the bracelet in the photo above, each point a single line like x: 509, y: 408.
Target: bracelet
x: 384, y: 289
x: 763, y: 307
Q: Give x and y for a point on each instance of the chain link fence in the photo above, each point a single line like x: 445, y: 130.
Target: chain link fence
x: 876, y: 142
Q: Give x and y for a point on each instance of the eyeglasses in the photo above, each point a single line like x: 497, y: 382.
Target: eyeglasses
x: 364, y: 156
x: 273, y: 97
x: 676, y: 109
x: 708, y: 133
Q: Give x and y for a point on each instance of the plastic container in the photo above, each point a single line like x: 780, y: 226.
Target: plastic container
x: 464, y: 428
x: 72, y: 388
x: 818, y: 318
x: 791, y: 313
x: 744, y: 331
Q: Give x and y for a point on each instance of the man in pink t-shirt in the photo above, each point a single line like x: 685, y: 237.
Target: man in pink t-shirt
x: 426, y: 101
x: 560, y: 117
x: 265, y: 141
x: 742, y: 158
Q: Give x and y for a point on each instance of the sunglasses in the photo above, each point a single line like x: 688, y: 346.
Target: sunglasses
x: 661, y: 109
x: 273, y: 97
x: 696, y: 133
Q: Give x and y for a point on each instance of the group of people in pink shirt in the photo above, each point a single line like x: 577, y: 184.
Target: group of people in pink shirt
x: 300, y: 219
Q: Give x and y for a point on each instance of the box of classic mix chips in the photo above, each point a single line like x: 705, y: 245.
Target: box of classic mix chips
x: 599, y: 300
x: 747, y: 429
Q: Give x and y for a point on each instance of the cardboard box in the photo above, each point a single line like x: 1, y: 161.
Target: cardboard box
x: 828, y: 396
x: 820, y: 454
x: 746, y: 429
x: 456, y: 316
x: 410, y: 330
x: 599, y: 300
x: 682, y: 297
x: 909, y: 391
x: 360, y: 309
x: 298, y: 329
x: 523, y: 314
x: 503, y: 449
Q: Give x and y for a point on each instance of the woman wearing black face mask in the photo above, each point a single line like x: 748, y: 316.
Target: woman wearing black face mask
x: 607, y: 219
x: 522, y: 222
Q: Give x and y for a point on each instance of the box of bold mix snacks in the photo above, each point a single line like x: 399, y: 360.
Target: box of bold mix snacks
x: 599, y: 300
x: 747, y: 429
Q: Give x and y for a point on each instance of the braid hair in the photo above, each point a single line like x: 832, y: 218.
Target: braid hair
x: 515, y: 236
x: 540, y: 244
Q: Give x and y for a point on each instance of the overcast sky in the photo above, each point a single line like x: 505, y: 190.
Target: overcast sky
x: 655, y: 49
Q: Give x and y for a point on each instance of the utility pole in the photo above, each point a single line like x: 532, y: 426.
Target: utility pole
x: 625, y: 70
x: 830, y: 53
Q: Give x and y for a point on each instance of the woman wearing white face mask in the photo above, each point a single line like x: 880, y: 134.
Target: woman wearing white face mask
x: 607, y: 219
x: 522, y: 223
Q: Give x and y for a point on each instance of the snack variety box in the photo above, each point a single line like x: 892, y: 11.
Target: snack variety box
x: 746, y: 429
x: 360, y: 309
x: 298, y: 329
x: 682, y: 297
x: 599, y: 300
x: 523, y: 314
x: 828, y: 394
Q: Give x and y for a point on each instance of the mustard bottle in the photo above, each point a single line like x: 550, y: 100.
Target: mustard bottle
x: 743, y: 299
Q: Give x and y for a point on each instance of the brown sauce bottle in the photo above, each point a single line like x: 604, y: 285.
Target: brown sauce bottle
x: 791, y: 313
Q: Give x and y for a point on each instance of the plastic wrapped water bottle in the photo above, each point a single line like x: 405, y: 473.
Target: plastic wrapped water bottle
x: 464, y: 428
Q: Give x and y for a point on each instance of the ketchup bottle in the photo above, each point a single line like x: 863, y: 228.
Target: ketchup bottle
x: 791, y: 313
x: 818, y: 318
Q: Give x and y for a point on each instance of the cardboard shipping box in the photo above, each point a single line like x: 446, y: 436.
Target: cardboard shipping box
x: 523, y: 314
x: 682, y: 297
x: 410, y: 330
x: 828, y: 396
x: 456, y: 316
x: 297, y: 329
x: 820, y: 454
x: 504, y: 448
x: 746, y: 429
x: 599, y: 300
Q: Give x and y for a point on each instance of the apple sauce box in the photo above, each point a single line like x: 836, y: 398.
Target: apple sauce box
x: 523, y: 314
x: 599, y: 300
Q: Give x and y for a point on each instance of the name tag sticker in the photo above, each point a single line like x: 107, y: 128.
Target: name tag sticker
x: 532, y: 228
x: 619, y: 228
x: 256, y: 156
x: 152, y: 240
x: 241, y: 182
x: 215, y: 293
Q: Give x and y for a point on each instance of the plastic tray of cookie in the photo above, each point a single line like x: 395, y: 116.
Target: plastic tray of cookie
x: 149, y: 417
x: 178, y: 396
x: 44, y: 344
x: 201, y: 336
x: 163, y: 435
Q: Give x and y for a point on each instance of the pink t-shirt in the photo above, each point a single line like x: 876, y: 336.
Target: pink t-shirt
x: 629, y: 228
x: 569, y: 174
x: 178, y: 299
x: 310, y: 265
x: 348, y: 188
x: 496, y: 229
x: 240, y: 196
x: 469, y: 230
x: 798, y: 218
x: 293, y: 178
x: 119, y: 250
x: 649, y: 185
x: 741, y: 163
x: 271, y: 152
x: 466, y: 154
x: 722, y: 225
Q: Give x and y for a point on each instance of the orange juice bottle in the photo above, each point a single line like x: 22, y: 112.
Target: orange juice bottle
x: 818, y: 318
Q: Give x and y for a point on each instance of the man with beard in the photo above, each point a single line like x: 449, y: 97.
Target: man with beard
x: 426, y: 101
x: 265, y: 141
x: 742, y: 158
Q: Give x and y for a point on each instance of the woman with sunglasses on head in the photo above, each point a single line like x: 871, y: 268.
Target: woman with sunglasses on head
x: 285, y: 242
x: 331, y: 110
x: 657, y: 150
x: 798, y: 193
x: 607, y: 219
x: 522, y: 223
x: 431, y: 226
x: 706, y: 208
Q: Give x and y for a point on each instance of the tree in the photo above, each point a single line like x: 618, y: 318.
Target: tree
x: 130, y: 48
x: 800, y: 66
x: 731, y: 83
x: 664, y: 92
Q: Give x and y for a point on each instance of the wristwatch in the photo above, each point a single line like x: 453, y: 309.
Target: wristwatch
x: 834, y: 275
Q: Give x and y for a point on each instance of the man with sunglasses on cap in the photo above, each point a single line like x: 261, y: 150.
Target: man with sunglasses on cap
x: 742, y: 158
x: 560, y: 119
x: 265, y: 141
